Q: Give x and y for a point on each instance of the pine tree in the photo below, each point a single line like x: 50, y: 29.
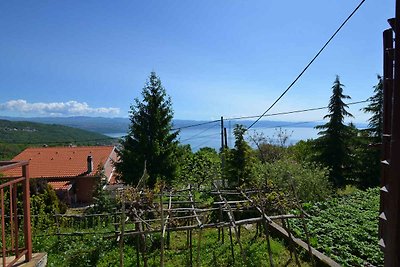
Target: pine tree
x: 369, y: 163
x: 240, y: 159
x: 150, y: 144
x: 375, y: 107
x: 334, y: 151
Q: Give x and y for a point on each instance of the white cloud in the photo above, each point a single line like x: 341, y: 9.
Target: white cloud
x: 70, y: 108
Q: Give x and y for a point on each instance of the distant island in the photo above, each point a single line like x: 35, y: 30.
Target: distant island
x: 121, y: 125
x: 15, y: 136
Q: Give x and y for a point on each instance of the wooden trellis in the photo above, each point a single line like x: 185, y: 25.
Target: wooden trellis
x: 178, y: 210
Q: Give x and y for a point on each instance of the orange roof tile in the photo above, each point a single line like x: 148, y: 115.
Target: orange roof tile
x: 61, y: 185
x: 55, y: 162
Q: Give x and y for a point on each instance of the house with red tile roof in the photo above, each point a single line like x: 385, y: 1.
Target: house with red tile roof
x: 71, y: 171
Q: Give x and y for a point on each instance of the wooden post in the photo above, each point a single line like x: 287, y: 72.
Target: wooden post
x: 286, y: 226
x: 121, y: 239
x: 222, y: 152
x: 394, y: 182
x: 137, y: 245
x: 27, y: 214
x: 232, y: 251
x: 115, y: 221
x: 386, y: 133
x: 16, y: 220
x: 225, y: 138
x: 58, y: 229
x: 304, y: 225
x: 162, y: 229
x: 3, y: 227
x: 390, y: 192
x: 232, y: 223
x: 198, y: 248
x: 190, y: 249
x: 221, y: 219
x: 219, y: 232
x: 168, y: 237
x: 266, y: 229
x: 222, y: 133
x: 11, y: 220
x: 144, y: 252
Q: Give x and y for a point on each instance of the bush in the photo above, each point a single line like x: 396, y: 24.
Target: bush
x: 103, y: 201
x: 45, y: 203
x: 303, y: 151
x: 200, y: 168
x: 310, y: 181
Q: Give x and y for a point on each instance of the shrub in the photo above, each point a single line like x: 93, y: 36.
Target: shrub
x: 309, y: 180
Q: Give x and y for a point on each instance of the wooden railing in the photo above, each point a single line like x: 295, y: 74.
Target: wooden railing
x: 10, y: 229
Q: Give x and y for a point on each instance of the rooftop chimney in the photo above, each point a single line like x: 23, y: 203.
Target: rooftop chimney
x: 89, y: 164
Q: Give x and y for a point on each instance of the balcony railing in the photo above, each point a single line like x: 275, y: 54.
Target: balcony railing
x: 10, y: 229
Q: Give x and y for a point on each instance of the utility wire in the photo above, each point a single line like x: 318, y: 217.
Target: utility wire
x: 196, y: 135
x: 203, y: 136
x: 267, y: 115
x: 309, y: 64
x: 290, y: 124
x: 274, y: 103
x: 194, y: 125
x: 289, y: 112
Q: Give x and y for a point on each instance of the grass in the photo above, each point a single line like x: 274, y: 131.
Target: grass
x: 211, y: 251
x: 94, y: 250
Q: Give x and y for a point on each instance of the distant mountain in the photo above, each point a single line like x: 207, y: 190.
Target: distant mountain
x: 33, y: 133
x: 121, y: 125
x: 94, y: 124
x: 15, y: 136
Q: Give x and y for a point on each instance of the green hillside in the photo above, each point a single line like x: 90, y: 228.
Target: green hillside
x: 17, y: 135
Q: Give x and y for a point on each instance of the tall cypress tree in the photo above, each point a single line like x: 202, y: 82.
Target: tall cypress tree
x: 375, y: 107
x: 240, y: 158
x: 369, y: 163
x: 332, y: 144
x: 150, y: 143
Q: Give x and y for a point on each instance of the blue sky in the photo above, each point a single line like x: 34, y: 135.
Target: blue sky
x: 215, y: 58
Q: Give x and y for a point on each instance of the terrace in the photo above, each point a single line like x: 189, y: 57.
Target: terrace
x: 16, y: 236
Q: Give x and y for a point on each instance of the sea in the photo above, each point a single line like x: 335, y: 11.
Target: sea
x: 198, y: 137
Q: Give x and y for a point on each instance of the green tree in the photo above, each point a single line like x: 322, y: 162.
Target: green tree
x: 310, y: 181
x: 303, y: 151
x: 368, y: 156
x: 44, y: 203
x: 200, y: 168
x: 332, y: 144
x: 270, y: 149
x: 103, y: 201
x: 239, y: 159
x: 364, y: 164
x: 150, y: 143
x: 375, y: 107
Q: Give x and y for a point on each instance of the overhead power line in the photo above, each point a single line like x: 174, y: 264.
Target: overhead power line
x: 309, y: 64
x: 265, y: 115
x: 194, y: 125
x: 290, y: 124
x: 198, y: 135
x: 289, y: 112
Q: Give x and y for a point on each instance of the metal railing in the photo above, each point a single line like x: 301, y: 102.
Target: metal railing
x: 10, y: 227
